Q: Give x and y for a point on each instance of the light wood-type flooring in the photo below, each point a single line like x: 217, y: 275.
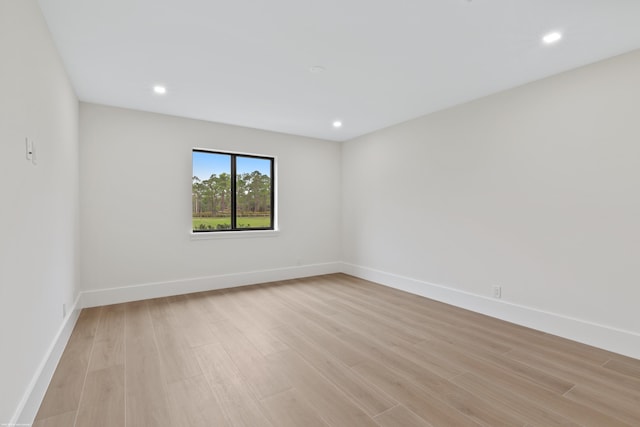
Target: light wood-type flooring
x: 328, y: 351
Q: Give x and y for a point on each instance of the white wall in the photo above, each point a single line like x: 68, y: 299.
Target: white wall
x: 39, y: 205
x: 535, y: 189
x: 136, y: 205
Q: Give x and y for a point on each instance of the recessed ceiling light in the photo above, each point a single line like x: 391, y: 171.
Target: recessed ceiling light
x: 552, y: 37
x: 337, y: 124
x: 160, y: 90
x: 317, y: 69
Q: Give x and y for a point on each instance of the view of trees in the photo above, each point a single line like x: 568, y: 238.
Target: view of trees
x: 212, y: 197
x: 214, y: 176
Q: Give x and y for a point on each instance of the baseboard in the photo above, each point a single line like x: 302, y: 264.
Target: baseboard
x: 32, y: 398
x: 609, y: 338
x: 597, y: 335
x: 122, y: 294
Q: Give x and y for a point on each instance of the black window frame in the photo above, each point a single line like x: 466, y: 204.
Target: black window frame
x: 234, y: 225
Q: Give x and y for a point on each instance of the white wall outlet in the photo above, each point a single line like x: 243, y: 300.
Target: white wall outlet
x: 497, y: 291
x: 29, y: 148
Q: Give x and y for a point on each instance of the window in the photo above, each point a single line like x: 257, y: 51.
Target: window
x: 232, y: 192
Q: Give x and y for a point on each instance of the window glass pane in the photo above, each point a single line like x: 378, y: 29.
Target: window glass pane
x: 211, y: 191
x: 253, y: 187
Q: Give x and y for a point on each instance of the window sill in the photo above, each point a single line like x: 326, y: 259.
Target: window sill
x: 215, y: 235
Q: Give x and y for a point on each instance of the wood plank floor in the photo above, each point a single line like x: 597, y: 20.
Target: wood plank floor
x: 328, y: 351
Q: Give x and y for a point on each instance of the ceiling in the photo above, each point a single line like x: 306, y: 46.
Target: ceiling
x: 248, y: 62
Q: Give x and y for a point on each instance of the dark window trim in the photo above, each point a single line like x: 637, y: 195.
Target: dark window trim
x: 234, y: 224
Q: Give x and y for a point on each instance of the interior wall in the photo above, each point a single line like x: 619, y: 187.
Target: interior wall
x: 534, y: 189
x: 38, y: 230
x: 136, y: 200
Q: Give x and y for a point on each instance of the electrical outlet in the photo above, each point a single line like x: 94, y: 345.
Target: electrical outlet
x: 497, y: 291
x: 29, y: 148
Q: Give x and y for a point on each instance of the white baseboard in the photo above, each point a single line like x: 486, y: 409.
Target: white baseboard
x: 32, y: 398
x: 122, y: 294
x: 597, y: 335
x: 609, y: 338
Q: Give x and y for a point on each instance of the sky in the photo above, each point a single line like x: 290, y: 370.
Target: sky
x: 205, y: 164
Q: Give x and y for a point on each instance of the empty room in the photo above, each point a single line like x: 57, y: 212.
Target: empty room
x: 339, y: 213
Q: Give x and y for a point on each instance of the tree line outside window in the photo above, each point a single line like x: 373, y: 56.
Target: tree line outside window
x: 232, y: 192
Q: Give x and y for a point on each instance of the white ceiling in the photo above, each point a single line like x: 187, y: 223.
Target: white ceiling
x: 247, y: 62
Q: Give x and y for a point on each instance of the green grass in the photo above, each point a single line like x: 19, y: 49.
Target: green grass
x: 243, y: 222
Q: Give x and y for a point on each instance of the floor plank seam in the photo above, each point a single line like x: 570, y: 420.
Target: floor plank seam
x: 334, y: 385
x: 86, y: 374
x: 569, y: 391
x: 154, y: 334
x: 385, y: 411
